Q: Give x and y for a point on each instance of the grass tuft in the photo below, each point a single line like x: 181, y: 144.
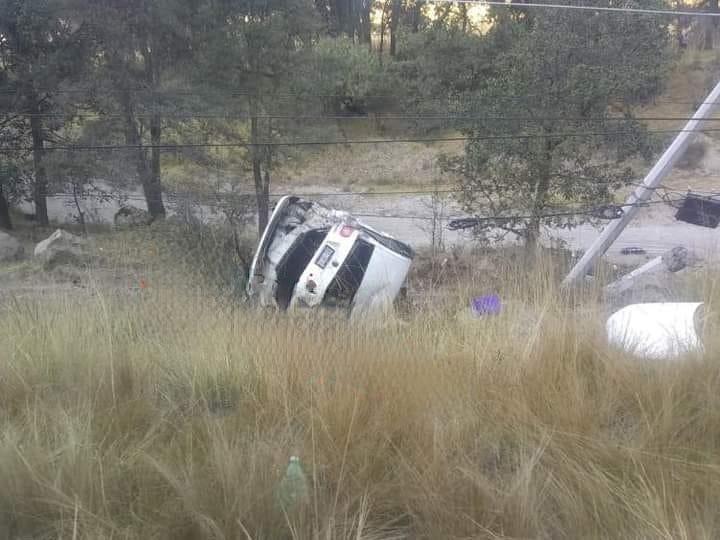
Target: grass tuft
x: 166, y: 415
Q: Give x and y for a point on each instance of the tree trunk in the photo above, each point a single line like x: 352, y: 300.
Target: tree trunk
x: 153, y: 192
x: 343, y: 11
x: 394, y: 23
x: 383, y: 24
x: 711, y: 24
x: 353, y: 20
x: 5, y: 221
x: 416, y: 15
x: 153, y: 185
x: 532, y: 235
x: 262, y: 185
x: 542, y: 186
x: 151, y: 189
x: 262, y: 194
x: 81, y: 214
x: 40, y: 187
x: 366, y: 23
x: 265, y: 189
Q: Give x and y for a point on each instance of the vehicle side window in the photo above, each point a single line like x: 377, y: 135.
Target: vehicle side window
x: 344, y: 286
x: 294, y: 263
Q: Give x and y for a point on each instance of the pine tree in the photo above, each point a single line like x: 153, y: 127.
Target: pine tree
x: 42, y: 49
x: 146, y: 50
x: 253, y: 52
x: 556, y: 76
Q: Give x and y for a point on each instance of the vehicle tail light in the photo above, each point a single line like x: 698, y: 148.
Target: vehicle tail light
x: 346, y: 231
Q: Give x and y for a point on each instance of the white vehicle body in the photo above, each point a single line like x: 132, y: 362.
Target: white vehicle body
x: 311, y: 256
x: 657, y: 330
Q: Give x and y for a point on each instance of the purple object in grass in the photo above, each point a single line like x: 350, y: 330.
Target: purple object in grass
x: 486, y: 305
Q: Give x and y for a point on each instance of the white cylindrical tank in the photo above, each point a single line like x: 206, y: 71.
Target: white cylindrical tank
x: 656, y: 330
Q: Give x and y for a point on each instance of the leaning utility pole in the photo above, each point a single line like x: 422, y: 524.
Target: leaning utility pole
x: 643, y: 192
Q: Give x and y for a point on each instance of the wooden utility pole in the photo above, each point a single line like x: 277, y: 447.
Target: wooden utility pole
x: 643, y: 192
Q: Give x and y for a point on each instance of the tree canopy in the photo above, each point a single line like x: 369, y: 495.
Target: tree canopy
x: 149, y: 76
x: 559, y: 98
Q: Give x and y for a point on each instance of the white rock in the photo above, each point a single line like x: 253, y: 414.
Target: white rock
x: 60, y: 247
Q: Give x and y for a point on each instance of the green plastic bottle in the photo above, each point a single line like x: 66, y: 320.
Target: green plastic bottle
x: 293, y: 490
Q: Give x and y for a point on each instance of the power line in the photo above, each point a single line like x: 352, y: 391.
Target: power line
x: 232, y: 93
x: 177, y: 146
x: 319, y: 195
x: 598, y: 212
x: 159, y: 93
x: 682, y: 102
x: 669, y: 12
x: 395, y: 193
x: 305, y: 96
x: 367, y: 117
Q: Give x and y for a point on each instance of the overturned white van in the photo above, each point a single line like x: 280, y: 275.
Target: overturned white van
x: 310, y: 256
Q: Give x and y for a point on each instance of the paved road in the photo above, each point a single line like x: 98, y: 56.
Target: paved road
x: 655, y: 229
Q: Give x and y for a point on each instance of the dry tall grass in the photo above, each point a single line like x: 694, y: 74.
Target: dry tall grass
x: 164, y: 416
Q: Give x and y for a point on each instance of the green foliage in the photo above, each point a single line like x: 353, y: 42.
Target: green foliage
x: 43, y: 48
x: 352, y: 79
x: 12, y: 186
x: 182, y: 253
x: 558, y: 77
x: 339, y: 66
x: 252, y: 49
x: 153, y: 67
x: 439, y: 65
x: 212, y: 255
x: 348, y: 18
x: 11, y: 189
